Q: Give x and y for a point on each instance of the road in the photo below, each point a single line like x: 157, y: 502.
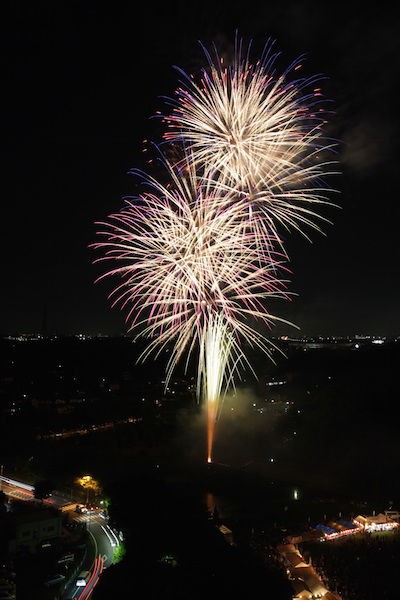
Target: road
x: 100, y: 554
x: 103, y: 540
x: 24, y: 491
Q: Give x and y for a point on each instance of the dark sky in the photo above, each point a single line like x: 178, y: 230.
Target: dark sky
x: 81, y: 81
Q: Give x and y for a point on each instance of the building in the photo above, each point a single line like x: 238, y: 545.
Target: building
x: 305, y: 581
x: 31, y: 529
x: 227, y: 533
x: 379, y: 522
x: 393, y: 514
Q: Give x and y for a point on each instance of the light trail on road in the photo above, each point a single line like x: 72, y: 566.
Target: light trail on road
x: 87, y: 591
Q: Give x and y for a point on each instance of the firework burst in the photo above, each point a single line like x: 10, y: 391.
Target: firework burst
x: 193, y: 273
x: 189, y: 258
x: 259, y: 132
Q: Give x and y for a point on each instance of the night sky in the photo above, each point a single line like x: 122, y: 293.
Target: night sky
x: 82, y: 81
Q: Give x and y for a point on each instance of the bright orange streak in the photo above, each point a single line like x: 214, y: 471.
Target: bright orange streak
x: 211, y: 420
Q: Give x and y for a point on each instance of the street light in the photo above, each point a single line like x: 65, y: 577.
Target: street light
x: 88, y: 483
x: 85, y: 482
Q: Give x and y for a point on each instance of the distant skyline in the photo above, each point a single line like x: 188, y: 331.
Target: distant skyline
x: 84, y: 336
x: 82, y: 84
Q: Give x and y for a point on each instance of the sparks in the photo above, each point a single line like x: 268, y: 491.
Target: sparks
x: 199, y: 256
x: 193, y: 273
x: 258, y: 132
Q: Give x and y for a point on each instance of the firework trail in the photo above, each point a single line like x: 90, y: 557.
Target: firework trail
x: 192, y: 273
x: 199, y: 256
